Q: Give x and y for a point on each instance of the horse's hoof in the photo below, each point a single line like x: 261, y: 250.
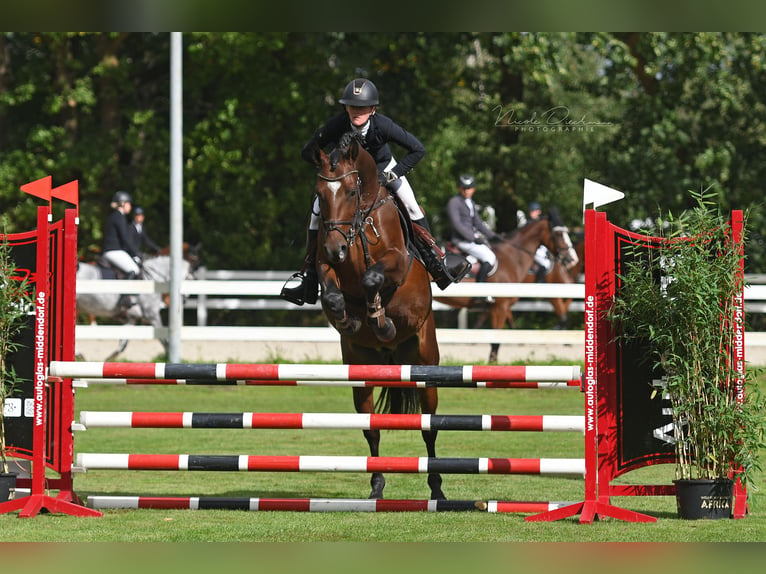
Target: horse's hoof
x: 352, y: 326
x: 387, y: 333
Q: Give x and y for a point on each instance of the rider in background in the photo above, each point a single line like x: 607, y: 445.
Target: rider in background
x: 141, y: 241
x: 360, y: 98
x: 117, y: 248
x: 469, y: 233
x: 543, y: 261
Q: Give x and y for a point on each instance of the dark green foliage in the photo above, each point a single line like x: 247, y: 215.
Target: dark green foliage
x: 530, y: 114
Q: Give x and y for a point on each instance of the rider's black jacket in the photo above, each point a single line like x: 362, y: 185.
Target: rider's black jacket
x: 381, y: 131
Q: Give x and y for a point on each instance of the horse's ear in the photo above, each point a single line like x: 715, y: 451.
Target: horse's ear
x: 555, y: 217
x: 316, y: 154
x: 353, y: 149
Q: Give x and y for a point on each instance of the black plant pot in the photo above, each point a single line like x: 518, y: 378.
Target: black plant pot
x: 704, y: 498
x: 7, y: 485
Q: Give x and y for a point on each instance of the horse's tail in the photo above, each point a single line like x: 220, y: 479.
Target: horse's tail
x: 398, y: 400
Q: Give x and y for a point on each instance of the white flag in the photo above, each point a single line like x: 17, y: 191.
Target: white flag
x: 598, y: 194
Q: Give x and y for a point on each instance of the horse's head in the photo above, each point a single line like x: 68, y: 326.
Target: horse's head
x: 560, y: 242
x: 346, y: 177
x: 191, y: 254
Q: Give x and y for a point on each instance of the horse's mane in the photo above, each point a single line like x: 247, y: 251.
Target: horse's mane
x: 368, y: 170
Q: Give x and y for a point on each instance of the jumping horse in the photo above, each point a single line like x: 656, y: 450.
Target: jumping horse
x: 373, y: 290
x: 515, y: 255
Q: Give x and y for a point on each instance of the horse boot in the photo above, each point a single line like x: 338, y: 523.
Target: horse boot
x: 306, y: 291
x: 444, y: 269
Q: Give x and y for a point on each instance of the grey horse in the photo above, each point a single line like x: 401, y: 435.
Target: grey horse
x: 148, y: 305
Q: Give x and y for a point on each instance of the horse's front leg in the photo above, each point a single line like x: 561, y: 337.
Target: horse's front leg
x: 372, y: 283
x: 335, y: 306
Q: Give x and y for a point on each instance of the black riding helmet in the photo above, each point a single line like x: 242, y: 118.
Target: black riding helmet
x: 360, y: 92
x: 467, y: 181
x: 121, y: 197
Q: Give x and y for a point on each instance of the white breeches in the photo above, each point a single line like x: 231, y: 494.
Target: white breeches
x: 481, y: 251
x: 123, y: 260
x: 543, y: 257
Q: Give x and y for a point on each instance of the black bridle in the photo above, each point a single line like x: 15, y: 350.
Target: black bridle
x: 360, y: 220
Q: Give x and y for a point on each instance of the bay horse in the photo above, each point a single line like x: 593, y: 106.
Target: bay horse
x: 373, y: 290
x: 515, y: 255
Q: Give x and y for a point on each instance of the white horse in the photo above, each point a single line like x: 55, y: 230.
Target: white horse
x: 148, y: 305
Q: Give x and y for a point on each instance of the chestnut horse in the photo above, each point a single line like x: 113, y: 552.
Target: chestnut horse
x: 374, y: 292
x: 515, y: 255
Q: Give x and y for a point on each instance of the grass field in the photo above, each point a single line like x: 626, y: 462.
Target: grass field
x: 239, y: 526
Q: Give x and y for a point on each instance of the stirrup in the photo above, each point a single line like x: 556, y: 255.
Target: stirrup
x: 455, y: 266
x: 295, y: 295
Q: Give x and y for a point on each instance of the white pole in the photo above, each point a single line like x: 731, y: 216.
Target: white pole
x: 175, y: 312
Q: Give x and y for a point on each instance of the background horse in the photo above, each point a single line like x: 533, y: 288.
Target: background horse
x: 515, y: 255
x: 374, y: 292
x: 149, y: 305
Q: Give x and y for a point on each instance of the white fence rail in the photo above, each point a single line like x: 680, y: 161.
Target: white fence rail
x: 259, y: 290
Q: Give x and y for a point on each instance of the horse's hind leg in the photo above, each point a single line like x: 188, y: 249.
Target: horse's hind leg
x: 428, y: 404
x: 364, y: 403
x: 120, y: 348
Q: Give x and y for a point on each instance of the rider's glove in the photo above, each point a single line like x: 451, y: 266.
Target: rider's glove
x: 386, y: 177
x: 496, y: 238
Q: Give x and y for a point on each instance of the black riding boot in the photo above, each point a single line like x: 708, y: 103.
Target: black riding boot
x: 540, y: 274
x: 307, y: 291
x: 127, y: 301
x: 444, y: 269
x: 481, y: 276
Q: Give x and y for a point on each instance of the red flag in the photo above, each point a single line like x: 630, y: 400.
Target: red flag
x: 39, y: 188
x: 67, y: 192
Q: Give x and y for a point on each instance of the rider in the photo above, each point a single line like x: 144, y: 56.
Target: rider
x: 469, y: 233
x: 117, y: 248
x: 543, y: 262
x: 360, y: 97
x: 138, y: 234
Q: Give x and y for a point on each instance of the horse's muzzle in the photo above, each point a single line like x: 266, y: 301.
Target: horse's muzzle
x: 336, y: 253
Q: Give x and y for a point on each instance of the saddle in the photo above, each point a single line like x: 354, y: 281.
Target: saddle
x: 108, y: 271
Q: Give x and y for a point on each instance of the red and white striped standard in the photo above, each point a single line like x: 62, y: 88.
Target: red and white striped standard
x: 319, y: 504
x: 366, y: 464
x: 278, y: 372
x: 536, y: 423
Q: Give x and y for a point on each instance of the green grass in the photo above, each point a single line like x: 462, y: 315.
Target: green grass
x: 237, y: 526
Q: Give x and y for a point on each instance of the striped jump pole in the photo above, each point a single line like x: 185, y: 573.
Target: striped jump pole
x: 281, y: 372
x: 366, y: 464
x: 319, y: 504
x: 573, y: 384
x: 417, y: 422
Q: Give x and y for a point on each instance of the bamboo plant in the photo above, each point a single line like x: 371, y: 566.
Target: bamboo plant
x: 679, y: 300
x: 15, y: 303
